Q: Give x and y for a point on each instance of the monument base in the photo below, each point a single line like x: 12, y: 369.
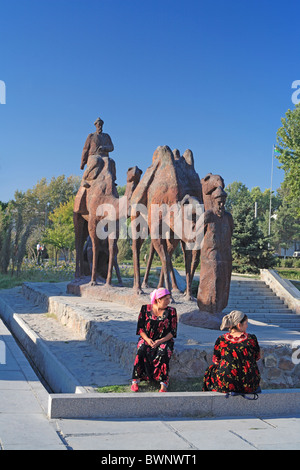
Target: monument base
x: 187, y: 310
x: 127, y: 296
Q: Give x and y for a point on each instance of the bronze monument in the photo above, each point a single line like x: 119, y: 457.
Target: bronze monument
x: 170, y: 182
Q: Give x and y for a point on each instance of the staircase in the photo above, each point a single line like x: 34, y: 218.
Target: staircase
x: 260, y: 303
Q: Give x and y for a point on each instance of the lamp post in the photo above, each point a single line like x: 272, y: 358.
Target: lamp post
x: 269, y: 232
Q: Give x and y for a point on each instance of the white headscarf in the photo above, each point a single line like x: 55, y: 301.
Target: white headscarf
x: 232, y: 319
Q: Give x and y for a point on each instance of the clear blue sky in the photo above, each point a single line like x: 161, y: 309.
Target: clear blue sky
x: 212, y: 76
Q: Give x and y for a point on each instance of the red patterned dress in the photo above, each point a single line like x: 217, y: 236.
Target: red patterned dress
x: 153, y: 363
x: 235, y: 365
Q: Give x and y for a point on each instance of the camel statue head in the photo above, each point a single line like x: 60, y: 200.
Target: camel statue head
x: 209, y: 184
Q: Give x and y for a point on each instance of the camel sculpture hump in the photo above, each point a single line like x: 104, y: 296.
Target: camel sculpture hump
x: 156, y: 176
x: 188, y: 178
x: 164, y: 188
x: 105, y: 184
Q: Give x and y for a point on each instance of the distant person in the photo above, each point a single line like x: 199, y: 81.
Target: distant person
x: 235, y: 358
x: 157, y: 327
x: 39, y: 251
x: 45, y: 254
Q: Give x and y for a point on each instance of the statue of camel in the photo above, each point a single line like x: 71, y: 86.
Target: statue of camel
x: 164, y: 184
x: 97, y: 210
x: 191, y: 258
x: 191, y: 194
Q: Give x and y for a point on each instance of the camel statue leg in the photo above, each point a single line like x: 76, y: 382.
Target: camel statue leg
x: 171, y: 246
x: 136, y: 248
x: 149, y: 263
x: 188, y: 269
x: 160, y: 247
x: 112, y: 250
x: 195, y: 262
x: 80, y: 227
x: 117, y: 269
x: 191, y: 259
x: 95, y: 248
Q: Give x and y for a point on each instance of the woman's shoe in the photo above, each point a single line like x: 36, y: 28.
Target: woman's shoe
x: 163, y: 387
x: 134, y: 387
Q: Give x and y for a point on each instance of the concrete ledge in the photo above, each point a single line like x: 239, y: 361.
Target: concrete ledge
x: 53, y: 371
x: 282, y: 288
x: 185, y: 404
x: 194, y: 346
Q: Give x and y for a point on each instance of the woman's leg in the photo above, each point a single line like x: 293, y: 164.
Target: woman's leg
x: 140, y: 367
x: 161, y: 366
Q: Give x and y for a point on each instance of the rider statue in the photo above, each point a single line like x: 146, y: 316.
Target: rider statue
x: 96, y: 147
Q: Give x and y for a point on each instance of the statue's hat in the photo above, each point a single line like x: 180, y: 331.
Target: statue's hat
x: 99, y: 120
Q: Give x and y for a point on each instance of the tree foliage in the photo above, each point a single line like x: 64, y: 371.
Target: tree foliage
x: 61, y: 233
x: 24, y: 219
x: 250, y: 246
x: 288, y: 154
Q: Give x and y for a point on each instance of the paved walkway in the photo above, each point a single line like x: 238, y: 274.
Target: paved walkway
x: 23, y: 402
x: 24, y: 424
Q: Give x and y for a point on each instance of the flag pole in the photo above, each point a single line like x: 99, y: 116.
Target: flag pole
x: 271, y: 191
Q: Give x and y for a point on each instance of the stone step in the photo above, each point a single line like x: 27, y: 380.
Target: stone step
x: 111, y: 328
x: 247, y: 292
x: 265, y: 290
x: 254, y: 294
x: 277, y: 317
x: 253, y: 282
x: 249, y: 301
x: 66, y: 360
x: 259, y: 307
x: 254, y: 309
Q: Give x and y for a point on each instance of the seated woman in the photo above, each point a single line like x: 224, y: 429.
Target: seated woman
x: 235, y: 356
x: 157, y: 326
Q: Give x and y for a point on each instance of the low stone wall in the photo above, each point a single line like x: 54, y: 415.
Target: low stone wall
x: 277, y: 365
x: 282, y: 288
x: 170, y: 405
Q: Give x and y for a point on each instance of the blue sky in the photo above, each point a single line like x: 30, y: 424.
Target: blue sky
x: 212, y: 76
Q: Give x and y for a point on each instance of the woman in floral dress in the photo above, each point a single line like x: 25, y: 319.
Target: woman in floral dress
x: 157, y: 326
x: 235, y: 358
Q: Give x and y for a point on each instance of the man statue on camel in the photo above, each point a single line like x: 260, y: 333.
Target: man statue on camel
x: 97, y: 146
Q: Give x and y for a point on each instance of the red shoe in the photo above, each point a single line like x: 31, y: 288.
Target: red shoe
x: 134, y: 387
x: 162, y: 391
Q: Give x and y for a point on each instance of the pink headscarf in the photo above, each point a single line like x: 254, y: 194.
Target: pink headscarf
x: 158, y: 293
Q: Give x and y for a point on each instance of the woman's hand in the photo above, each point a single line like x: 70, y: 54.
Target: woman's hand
x: 145, y: 338
x: 156, y: 343
x: 150, y: 342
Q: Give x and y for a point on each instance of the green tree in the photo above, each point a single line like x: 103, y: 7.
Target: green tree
x: 236, y: 192
x: 288, y: 154
x: 286, y: 224
x: 61, y: 233
x: 5, y: 239
x: 44, y: 197
x: 24, y: 219
x: 250, y: 248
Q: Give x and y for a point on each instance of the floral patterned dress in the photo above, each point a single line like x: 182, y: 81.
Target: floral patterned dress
x: 235, y: 368
x: 153, y: 363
